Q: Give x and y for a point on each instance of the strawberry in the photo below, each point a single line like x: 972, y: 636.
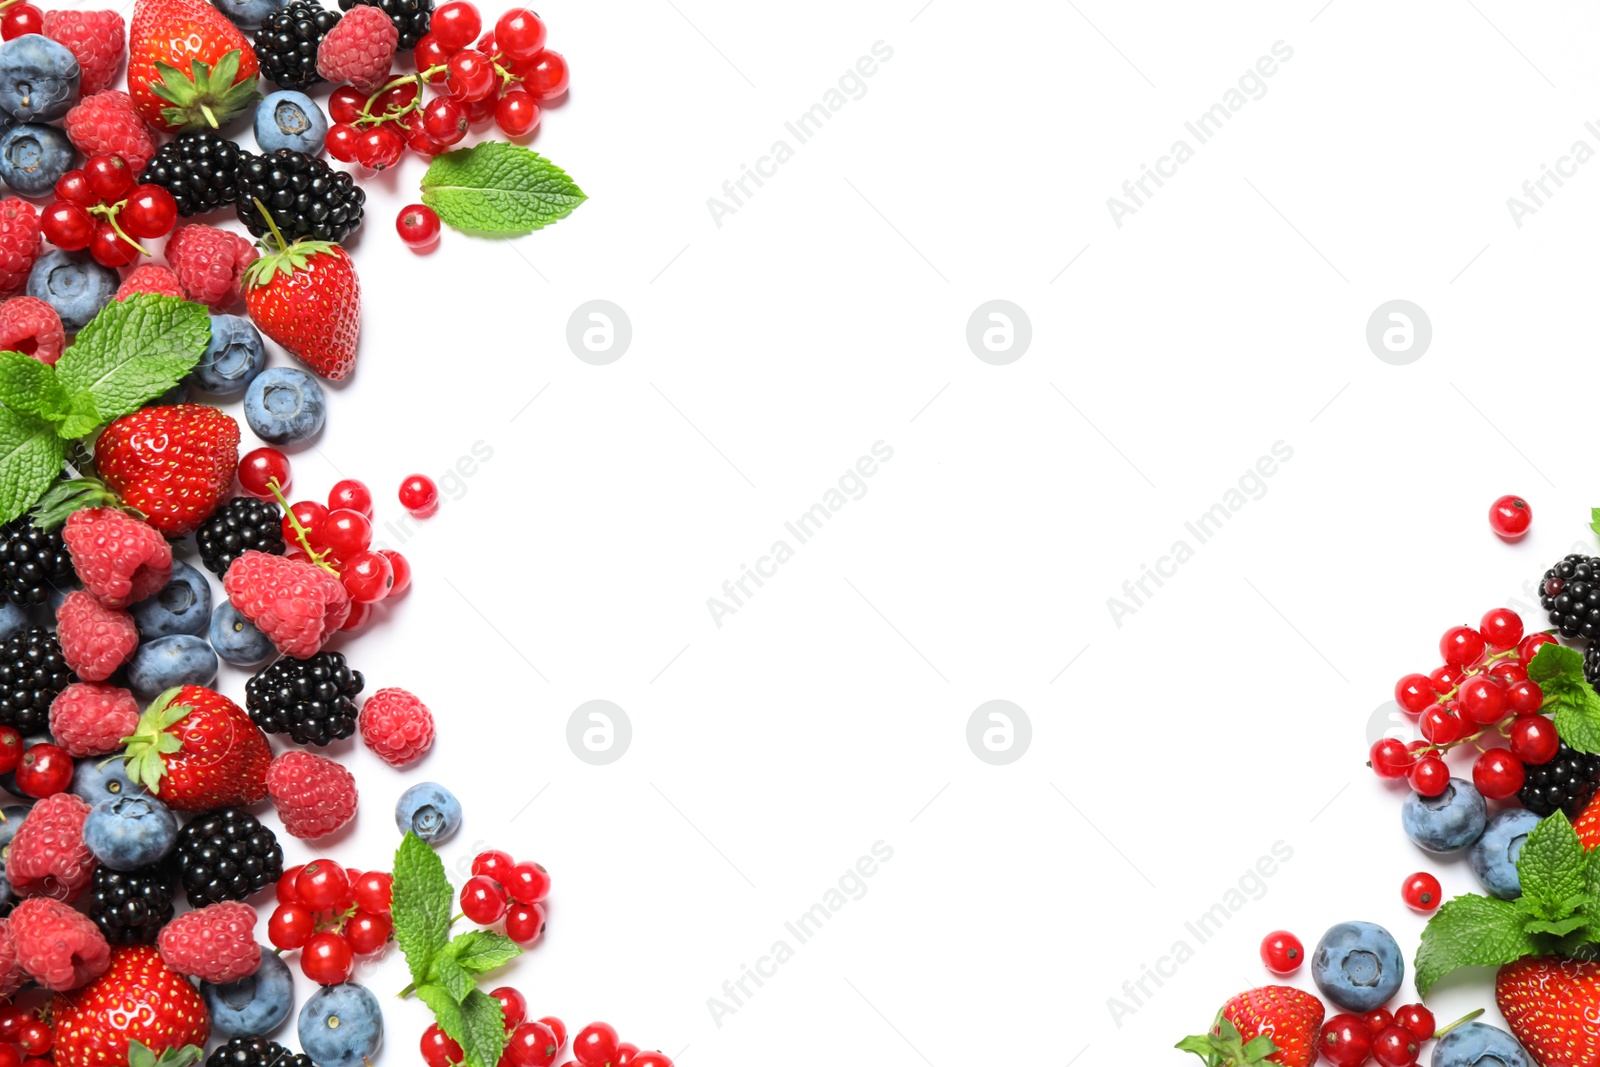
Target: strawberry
x: 197, y: 750
x: 1552, y: 1006
x: 188, y: 66
x: 174, y: 464
x: 1272, y: 1024
x: 138, y: 1007
x: 1587, y: 824
x: 306, y: 297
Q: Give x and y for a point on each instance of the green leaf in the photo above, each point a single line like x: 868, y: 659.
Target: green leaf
x: 446, y: 1009
x: 1571, y: 701
x: 481, y: 951
x: 446, y: 972
x: 1471, y: 931
x: 1556, y: 662
x: 28, y: 386
x: 133, y: 350
x: 420, y: 908
x: 1556, y: 927
x: 1552, y: 869
x: 1594, y: 520
x: 30, y: 459
x: 499, y: 189
x: 483, y: 1030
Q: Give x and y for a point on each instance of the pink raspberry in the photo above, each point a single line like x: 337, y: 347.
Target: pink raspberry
x: 397, y: 726
x: 12, y: 976
x: 95, y: 39
x: 359, y: 50
x: 32, y: 327
x: 89, y: 719
x: 107, y: 122
x: 95, y: 640
x: 48, y: 857
x: 217, y: 943
x: 119, y: 559
x: 314, y: 795
x: 298, y: 605
x: 21, y: 235
x: 150, y: 279
x: 210, y: 264
x: 62, y: 949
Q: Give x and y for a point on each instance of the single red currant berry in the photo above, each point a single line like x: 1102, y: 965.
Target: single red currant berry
x: 350, y: 493
x: 417, y: 138
x: 11, y: 749
x: 444, y: 120
x: 1508, y: 671
x: 21, y: 20
x: 419, y: 495
x: 1377, y: 1019
x: 285, y: 889
x: 312, y: 516
x: 595, y: 1044
x: 525, y: 922
x: 291, y: 926
x: 366, y: 932
x: 67, y: 226
x: 399, y: 98
x: 109, y: 176
x: 1529, y: 646
x: 1461, y: 646
x: 1510, y: 517
x: 1421, y: 892
x: 379, y: 148
x: 374, y: 892
x: 1483, y: 700
x: 12, y: 1019
x: 1501, y: 627
x: 1533, y: 739
x: 1444, y: 678
x: 547, y: 76
x: 1414, y: 693
x: 493, y: 863
x: 44, y: 771
x: 528, y: 883
x: 651, y: 1059
x: 1497, y: 773
x: 1390, y: 758
x: 322, y: 884
x: 150, y: 212
x: 418, y: 226
x: 367, y: 577
x: 481, y: 111
x: 627, y: 1052
x: 10, y: 1056
x: 111, y: 249
x: 346, y: 533
x: 359, y: 615
x: 557, y: 1027
x: 345, y: 104
x: 327, y: 959
x: 517, y: 113
x: 1417, y: 1019
x: 1395, y: 1046
x: 1440, y: 725
x: 513, y: 1006
x: 455, y: 25
x: 470, y: 76
x: 35, y: 1037
x: 438, y: 1049
x: 483, y: 900
x: 260, y: 468
x: 1430, y: 776
x: 533, y: 1045
x: 431, y: 54
x: 1524, y: 697
x: 1282, y: 952
x: 520, y: 32
x: 402, y: 572
x: 342, y: 143
x: 74, y: 187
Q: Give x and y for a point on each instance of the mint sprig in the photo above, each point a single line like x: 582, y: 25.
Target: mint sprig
x: 1569, y: 698
x: 498, y: 189
x: 1227, y: 1047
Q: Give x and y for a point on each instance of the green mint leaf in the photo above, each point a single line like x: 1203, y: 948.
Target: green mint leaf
x: 1577, y: 719
x: 30, y: 459
x: 481, y: 951
x: 1594, y: 520
x: 483, y: 1030
x: 1557, y: 663
x: 445, y: 971
x: 79, y: 417
x: 446, y: 1009
x: 498, y: 189
x: 28, y: 386
x: 420, y: 907
x: 1555, y: 928
x: 131, y: 351
x: 1552, y: 869
x: 1471, y: 931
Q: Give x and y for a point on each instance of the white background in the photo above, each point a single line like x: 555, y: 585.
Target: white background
x: 829, y: 313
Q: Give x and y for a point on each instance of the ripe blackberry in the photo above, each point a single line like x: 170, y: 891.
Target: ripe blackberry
x: 410, y: 17
x: 199, y: 169
x: 226, y: 855
x: 241, y: 524
x: 307, y: 198
x: 32, y: 562
x: 286, y: 44
x: 1567, y: 782
x: 311, y: 700
x: 256, y: 1052
x: 131, y: 907
x: 1570, y: 592
x: 32, y: 672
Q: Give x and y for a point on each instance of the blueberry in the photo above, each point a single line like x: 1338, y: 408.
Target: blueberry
x: 38, y: 79
x: 1479, y: 1045
x: 183, y: 606
x: 128, y: 832
x: 232, y: 359
x: 178, y: 394
x: 256, y: 1004
x: 33, y: 157
x: 236, y: 639
x: 72, y: 283
x: 1448, y: 822
x: 11, y: 817
x: 1357, y: 965
x: 341, y: 1025
x: 100, y: 779
x: 249, y: 14
x: 180, y: 659
x: 428, y: 809
x: 12, y: 620
x: 1493, y: 857
x: 284, y: 406
x: 288, y: 119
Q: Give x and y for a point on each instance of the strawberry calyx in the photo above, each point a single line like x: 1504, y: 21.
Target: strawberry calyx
x: 207, y: 96
x: 1224, y: 1046
x: 141, y: 1055
x: 280, y: 256
x: 150, y: 741
x: 64, y: 498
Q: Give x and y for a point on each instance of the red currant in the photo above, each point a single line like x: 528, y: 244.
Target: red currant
x: 1395, y: 1046
x: 1417, y: 1019
x: 366, y: 932
x: 483, y: 900
x: 1533, y: 739
x: 419, y: 495
x: 35, y: 1037
x: 1509, y: 517
x: 67, y: 226
x: 374, y: 892
x: 1441, y: 725
x: 493, y: 863
x: 525, y: 922
x: 430, y: 53
x: 346, y: 533
x: 1483, y: 700
x: 110, y: 249
x: 1345, y: 1041
x: 455, y: 25
x: 528, y: 883
x: 1497, y: 773
x: 1529, y: 646
x: 149, y: 212
x: 1377, y: 1019
x: 402, y: 572
x: 291, y: 926
x: 21, y: 20
x: 1508, y: 671
x: 350, y: 493
x: 285, y: 890
x: 367, y: 577
x: 547, y: 76
x: 417, y: 138
x: 1414, y: 693
x: 1430, y: 776
x: 1501, y: 627
x: 626, y: 1054
x: 44, y: 771
x: 11, y: 749
x: 1444, y: 678
x: 358, y: 617
x: 396, y: 99
x: 313, y: 517
x: 1390, y: 757
x: 109, y: 176
x: 534, y: 1045
x: 260, y: 468
x: 10, y: 1056
x: 651, y: 1059
x: 1461, y: 646
x: 557, y: 1027
x: 470, y: 76
x: 517, y: 113
x: 322, y: 884
x: 345, y: 105
x: 521, y: 33
x: 1282, y: 952
x: 379, y: 148
x: 1421, y: 892
x: 1524, y: 697
x: 342, y: 142
x: 74, y: 188
x: 444, y: 120
x: 418, y: 226
x: 513, y: 1006
x: 481, y: 111
x: 439, y: 1049
x: 327, y: 958
x: 595, y: 1044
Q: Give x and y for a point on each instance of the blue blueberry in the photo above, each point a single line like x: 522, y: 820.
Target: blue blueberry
x: 178, y: 394
x: 97, y: 779
x: 12, y: 620
x: 38, y: 79
x: 130, y: 831
x: 232, y: 359
x: 249, y: 14
x: 72, y: 283
x: 341, y: 1025
x: 33, y: 157
x: 284, y: 406
x: 236, y: 639
x: 256, y: 1004
x: 430, y: 810
x: 288, y: 119
x: 1479, y: 1045
x: 11, y: 817
x: 180, y: 659
x: 1448, y: 822
x: 1493, y: 857
x: 183, y: 606
x: 1358, y: 966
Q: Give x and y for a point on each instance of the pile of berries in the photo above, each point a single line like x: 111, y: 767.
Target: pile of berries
x: 104, y: 209
x: 538, y: 1042
x: 502, y: 888
x: 332, y: 915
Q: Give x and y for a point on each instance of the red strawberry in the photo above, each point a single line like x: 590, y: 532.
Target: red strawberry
x: 139, y: 999
x: 306, y: 297
x: 1588, y: 824
x: 174, y: 464
x: 1551, y: 1006
x: 188, y: 66
x: 1272, y: 1024
x: 197, y: 750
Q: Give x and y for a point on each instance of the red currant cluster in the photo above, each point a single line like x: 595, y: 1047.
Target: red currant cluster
x: 504, y: 77
x: 535, y: 1043
x: 502, y: 888
x: 42, y: 769
x: 332, y: 914
x: 1482, y: 688
x: 26, y: 1040
x: 1393, y: 1039
x: 103, y: 209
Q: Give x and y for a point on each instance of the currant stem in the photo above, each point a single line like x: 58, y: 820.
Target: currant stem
x: 300, y: 532
x: 110, y: 215
x: 1467, y: 1018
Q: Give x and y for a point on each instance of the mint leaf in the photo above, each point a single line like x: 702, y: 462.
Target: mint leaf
x: 446, y: 1009
x: 30, y: 459
x: 445, y: 971
x: 28, y: 386
x: 1471, y: 931
x: 420, y: 907
x: 1570, y: 700
x: 483, y: 1030
x: 1552, y: 869
x: 498, y: 189
x: 481, y: 951
x: 1594, y: 520
x: 131, y: 351
x: 1556, y: 662
x: 1556, y: 927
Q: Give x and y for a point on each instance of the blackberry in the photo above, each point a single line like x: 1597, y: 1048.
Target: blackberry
x: 131, y: 907
x: 286, y: 44
x: 1567, y: 782
x: 226, y: 855
x: 307, y: 198
x: 200, y: 170
x: 1570, y: 592
x: 32, y: 672
x: 32, y: 562
x: 410, y: 17
x: 311, y: 700
x: 256, y: 1052
x: 241, y: 524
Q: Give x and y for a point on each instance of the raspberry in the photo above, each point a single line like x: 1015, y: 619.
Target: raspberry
x: 397, y: 726
x: 359, y: 50
x: 89, y: 719
x: 32, y: 327
x: 210, y: 264
x: 298, y: 605
x: 95, y: 640
x: 107, y: 123
x: 95, y: 39
x: 20, y: 238
x: 217, y: 943
x: 314, y: 795
x: 48, y: 857
x: 119, y: 559
x: 61, y: 948
x: 12, y: 976
x: 150, y: 279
